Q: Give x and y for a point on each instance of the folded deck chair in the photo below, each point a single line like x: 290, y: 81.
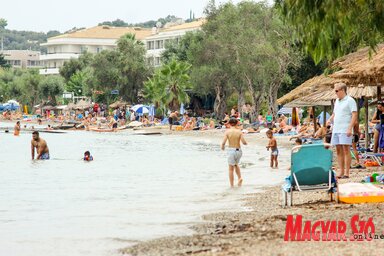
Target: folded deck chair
x: 311, y: 169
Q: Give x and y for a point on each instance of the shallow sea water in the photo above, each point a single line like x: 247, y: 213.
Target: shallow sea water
x: 137, y: 188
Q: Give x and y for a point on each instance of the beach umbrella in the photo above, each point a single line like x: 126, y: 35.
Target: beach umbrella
x: 10, y: 106
x: 295, y: 121
x: 321, y: 117
x: 48, y: 107
x: 82, y: 104
x: 118, y: 104
x: 182, y: 110
x: 13, y: 102
x: 71, y: 106
x: 140, y: 109
x: 151, y: 110
x: 287, y: 111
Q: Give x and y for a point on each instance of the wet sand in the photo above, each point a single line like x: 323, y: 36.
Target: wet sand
x: 260, y: 231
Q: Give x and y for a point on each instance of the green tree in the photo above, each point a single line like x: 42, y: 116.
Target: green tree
x: 244, y: 52
x: 115, y: 23
x: 329, y: 29
x: 169, y: 85
x: 3, y: 62
x: 74, y: 65
x: 76, y: 83
x: 132, y: 66
x: 31, y: 87
x: 105, y: 71
x: 182, y: 50
x: 3, y: 24
x: 50, y: 87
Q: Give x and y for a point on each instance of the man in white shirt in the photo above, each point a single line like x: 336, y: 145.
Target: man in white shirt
x: 344, y: 117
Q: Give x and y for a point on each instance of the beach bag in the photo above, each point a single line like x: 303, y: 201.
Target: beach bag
x: 371, y: 163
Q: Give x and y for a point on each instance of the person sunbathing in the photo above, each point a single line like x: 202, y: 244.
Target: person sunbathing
x: 283, y: 126
x: 321, y: 132
x: 188, y: 126
x: 211, y: 124
x: 145, y: 121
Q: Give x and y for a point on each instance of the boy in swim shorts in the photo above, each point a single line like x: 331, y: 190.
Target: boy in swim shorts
x: 272, y: 144
x: 234, y: 136
x: 87, y: 156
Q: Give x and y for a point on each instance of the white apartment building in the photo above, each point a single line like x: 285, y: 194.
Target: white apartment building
x: 22, y: 58
x: 155, y: 44
x: 71, y: 45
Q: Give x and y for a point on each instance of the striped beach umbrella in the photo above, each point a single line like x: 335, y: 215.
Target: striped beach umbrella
x: 140, y: 109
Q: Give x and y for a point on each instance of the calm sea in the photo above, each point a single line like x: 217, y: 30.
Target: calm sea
x: 137, y: 188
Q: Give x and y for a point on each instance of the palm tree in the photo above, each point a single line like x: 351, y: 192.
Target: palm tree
x: 169, y: 85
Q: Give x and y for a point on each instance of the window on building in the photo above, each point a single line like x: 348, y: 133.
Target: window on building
x: 150, y: 61
x: 99, y: 49
x: 157, y: 61
x: 159, y: 44
x: 83, y: 49
x: 150, y: 45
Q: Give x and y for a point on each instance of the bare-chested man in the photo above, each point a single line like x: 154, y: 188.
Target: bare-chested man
x: 41, y: 147
x: 234, y: 136
x: 16, y: 129
x: 172, y: 119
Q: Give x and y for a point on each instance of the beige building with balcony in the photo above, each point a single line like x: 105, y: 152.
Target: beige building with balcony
x: 22, y: 58
x: 71, y: 45
x: 156, y: 43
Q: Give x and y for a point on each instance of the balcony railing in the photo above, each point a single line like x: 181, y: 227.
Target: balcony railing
x: 49, y: 71
x: 59, y: 56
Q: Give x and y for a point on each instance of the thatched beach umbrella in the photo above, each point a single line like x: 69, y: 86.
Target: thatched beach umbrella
x: 118, y: 104
x: 48, y: 107
x: 312, y: 85
x: 362, y: 67
x: 356, y: 92
x: 71, y: 106
x: 82, y: 104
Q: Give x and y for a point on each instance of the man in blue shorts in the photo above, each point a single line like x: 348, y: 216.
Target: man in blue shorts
x: 344, y: 117
x: 41, y: 147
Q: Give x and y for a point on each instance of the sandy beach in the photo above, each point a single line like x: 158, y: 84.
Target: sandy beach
x: 260, y: 231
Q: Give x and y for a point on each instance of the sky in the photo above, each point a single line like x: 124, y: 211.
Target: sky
x: 46, y: 15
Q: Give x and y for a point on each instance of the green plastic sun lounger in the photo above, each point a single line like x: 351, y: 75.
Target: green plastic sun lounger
x: 311, y: 169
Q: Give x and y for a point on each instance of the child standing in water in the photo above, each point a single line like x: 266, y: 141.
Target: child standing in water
x: 272, y: 144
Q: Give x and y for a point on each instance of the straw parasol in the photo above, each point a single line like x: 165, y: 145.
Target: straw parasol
x: 48, y: 107
x: 362, y: 66
x: 302, y: 103
x: 310, y: 86
x: 328, y: 95
x: 71, y: 106
x: 118, y: 104
x: 82, y: 104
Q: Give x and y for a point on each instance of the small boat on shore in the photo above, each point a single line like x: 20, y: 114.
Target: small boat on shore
x: 95, y: 129
x: 143, y: 132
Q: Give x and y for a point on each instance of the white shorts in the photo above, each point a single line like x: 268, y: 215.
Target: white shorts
x: 234, y: 156
x: 341, y: 139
